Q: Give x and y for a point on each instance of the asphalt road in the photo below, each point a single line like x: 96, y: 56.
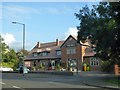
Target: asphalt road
x: 36, y: 81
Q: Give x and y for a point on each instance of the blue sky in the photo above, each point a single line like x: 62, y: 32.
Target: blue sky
x: 45, y: 21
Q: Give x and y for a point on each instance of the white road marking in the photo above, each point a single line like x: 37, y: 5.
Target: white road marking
x: 2, y: 83
x: 16, y: 87
x: 13, y: 86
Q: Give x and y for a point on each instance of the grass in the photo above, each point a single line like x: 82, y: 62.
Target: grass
x: 114, y: 80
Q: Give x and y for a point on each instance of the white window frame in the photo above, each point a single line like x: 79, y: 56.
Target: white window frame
x: 94, y: 61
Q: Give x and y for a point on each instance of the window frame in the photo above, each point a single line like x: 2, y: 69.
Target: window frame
x: 71, y: 50
x: 58, y: 52
x: 44, y: 53
x: 72, y: 61
x: 35, y: 54
x: 94, y: 61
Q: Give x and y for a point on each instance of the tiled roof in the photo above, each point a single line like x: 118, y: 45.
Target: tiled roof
x: 45, y: 45
x: 50, y: 47
x: 89, y: 52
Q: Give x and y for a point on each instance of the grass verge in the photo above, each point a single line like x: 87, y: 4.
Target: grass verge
x: 113, y: 80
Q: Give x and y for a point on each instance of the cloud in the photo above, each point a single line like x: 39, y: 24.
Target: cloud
x: 8, y: 38
x: 19, y: 45
x: 71, y: 31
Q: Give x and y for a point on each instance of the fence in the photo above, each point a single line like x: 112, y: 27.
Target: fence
x: 117, y: 70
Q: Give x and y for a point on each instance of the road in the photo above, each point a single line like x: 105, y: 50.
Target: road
x: 20, y: 82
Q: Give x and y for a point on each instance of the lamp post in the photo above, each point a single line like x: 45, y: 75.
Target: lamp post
x: 23, y: 39
x: 23, y: 34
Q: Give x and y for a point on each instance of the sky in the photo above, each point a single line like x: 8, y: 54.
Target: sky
x: 44, y: 21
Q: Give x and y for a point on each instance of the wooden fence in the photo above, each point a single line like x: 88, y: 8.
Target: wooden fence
x: 117, y: 70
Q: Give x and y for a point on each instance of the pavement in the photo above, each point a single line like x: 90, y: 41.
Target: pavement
x: 96, y: 79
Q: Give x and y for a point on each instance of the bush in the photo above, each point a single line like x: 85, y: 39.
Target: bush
x: 41, y: 67
x: 33, y: 69
x: 58, y: 67
x: 107, y: 66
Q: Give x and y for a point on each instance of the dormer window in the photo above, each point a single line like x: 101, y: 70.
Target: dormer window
x: 44, y: 53
x: 58, y: 52
x: 35, y: 54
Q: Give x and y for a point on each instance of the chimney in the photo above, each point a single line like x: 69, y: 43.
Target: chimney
x: 57, y: 42
x: 38, y: 44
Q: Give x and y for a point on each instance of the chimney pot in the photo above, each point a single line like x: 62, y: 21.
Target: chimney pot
x: 57, y: 42
x: 38, y: 44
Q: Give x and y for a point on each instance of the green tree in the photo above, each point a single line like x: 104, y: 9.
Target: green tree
x: 8, y: 56
x: 10, y: 59
x: 101, y: 26
x: 3, y: 46
x: 23, y: 51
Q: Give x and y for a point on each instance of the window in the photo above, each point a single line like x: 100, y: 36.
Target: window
x: 27, y: 63
x: 35, y: 54
x: 72, y: 63
x: 94, y: 61
x: 58, y: 52
x: 71, y: 50
x: 44, y: 53
x: 52, y: 63
x: 70, y: 45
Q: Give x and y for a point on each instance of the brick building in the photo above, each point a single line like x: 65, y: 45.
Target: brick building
x: 69, y: 54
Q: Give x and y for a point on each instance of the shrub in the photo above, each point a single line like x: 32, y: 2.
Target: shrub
x: 58, y: 67
x: 41, y: 67
x: 107, y: 66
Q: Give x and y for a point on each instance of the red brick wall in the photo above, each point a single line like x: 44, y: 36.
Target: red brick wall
x: 78, y: 55
x: 92, y: 68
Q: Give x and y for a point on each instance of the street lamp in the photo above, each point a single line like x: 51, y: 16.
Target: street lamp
x: 23, y: 37
x: 23, y: 34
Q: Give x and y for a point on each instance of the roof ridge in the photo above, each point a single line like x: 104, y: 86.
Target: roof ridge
x: 53, y: 42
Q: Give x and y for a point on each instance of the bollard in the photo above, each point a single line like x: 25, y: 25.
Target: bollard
x: 88, y: 68
x: 85, y: 67
x: 116, y: 69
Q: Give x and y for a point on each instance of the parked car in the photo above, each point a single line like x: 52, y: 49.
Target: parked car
x: 5, y: 69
